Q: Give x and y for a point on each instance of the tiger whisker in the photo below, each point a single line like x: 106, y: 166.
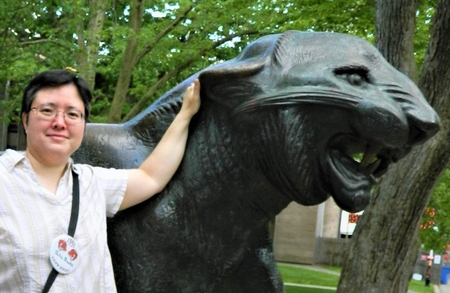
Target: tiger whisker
x: 335, y: 98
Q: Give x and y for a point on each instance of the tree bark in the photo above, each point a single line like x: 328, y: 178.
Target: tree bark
x: 384, y: 246
x: 397, y: 18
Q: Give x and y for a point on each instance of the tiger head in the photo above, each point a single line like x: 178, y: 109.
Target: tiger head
x: 327, y: 114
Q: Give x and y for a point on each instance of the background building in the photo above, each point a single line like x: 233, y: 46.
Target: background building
x: 314, y: 234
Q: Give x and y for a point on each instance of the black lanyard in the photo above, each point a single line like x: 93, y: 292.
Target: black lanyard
x: 72, y: 225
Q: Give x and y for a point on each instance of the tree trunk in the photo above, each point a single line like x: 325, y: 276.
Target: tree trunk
x: 128, y: 61
x: 384, y: 246
x: 131, y: 56
x: 397, y: 18
x: 89, y: 42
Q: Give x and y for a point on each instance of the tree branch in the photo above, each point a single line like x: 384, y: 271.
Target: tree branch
x: 45, y: 41
x: 168, y: 75
x: 147, y: 48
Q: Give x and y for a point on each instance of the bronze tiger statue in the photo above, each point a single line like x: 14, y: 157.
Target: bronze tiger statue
x: 297, y: 117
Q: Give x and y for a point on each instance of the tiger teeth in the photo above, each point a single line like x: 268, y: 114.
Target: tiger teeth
x: 367, y: 158
x: 372, y: 167
x: 370, y: 154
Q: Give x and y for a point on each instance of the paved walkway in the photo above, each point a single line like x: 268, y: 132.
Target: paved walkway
x: 442, y: 288
x: 312, y: 267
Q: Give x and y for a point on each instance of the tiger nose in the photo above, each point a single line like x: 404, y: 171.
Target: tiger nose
x: 423, y: 126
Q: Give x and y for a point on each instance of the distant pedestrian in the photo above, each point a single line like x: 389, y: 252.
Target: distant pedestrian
x: 427, y: 277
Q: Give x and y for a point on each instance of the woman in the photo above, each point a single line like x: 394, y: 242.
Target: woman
x: 40, y: 228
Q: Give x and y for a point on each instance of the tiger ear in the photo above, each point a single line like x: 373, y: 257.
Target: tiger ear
x: 233, y: 82
x: 230, y: 83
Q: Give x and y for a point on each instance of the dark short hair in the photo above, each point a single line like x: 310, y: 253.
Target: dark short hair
x: 55, y: 78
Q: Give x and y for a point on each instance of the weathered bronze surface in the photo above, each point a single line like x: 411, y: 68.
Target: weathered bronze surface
x: 279, y: 123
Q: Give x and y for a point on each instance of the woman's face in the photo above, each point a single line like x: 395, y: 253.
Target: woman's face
x: 50, y: 140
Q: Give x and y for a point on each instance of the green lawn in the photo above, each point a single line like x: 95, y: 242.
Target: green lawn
x: 301, y: 275
x: 419, y: 287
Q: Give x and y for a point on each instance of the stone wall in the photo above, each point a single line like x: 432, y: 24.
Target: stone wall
x: 331, y: 251
x: 295, y: 234
x: 298, y: 227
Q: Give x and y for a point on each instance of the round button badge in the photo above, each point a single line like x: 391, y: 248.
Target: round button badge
x: 64, y: 254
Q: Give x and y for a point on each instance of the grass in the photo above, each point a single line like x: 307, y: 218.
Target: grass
x: 419, y: 287
x: 301, y: 275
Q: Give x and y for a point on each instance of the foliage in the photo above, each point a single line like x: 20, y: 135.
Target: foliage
x: 49, y: 36
x: 422, y: 36
x: 435, y: 232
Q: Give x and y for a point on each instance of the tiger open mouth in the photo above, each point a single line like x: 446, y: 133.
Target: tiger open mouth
x: 350, y: 154
x: 354, y: 166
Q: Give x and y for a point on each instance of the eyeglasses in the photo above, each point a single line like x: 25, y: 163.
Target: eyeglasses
x: 49, y: 112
